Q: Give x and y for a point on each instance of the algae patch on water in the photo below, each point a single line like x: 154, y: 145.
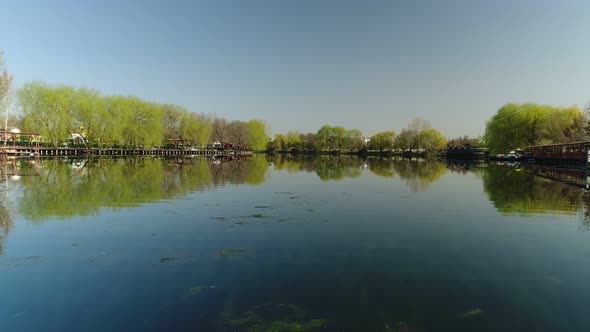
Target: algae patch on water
x: 471, y: 313
x: 274, y: 318
x: 257, y: 215
x: 167, y: 259
x: 231, y: 252
x: 193, y: 291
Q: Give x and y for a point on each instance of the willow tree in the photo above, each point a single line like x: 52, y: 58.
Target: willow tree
x: 280, y: 142
x: 294, y: 140
x: 144, y: 123
x: 431, y: 140
x: 88, y: 113
x: 354, y: 139
x: 331, y: 138
x: 114, y: 118
x: 47, y: 110
x: 519, y: 125
x: 204, y: 128
x: 195, y: 128
x: 382, y: 141
x: 258, y: 134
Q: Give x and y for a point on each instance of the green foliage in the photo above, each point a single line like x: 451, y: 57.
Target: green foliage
x: 46, y: 110
x: 420, y: 136
x: 382, y: 141
x: 294, y: 140
x: 324, y: 137
x: 338, y: 138
x: 56, y: 111
x: 143, y: 128
x: 519, y: 125
x: 258, y: 134
x: 280, y: 142
x: 431, y: 140
x: 88, y: 112
x: 354, y: 140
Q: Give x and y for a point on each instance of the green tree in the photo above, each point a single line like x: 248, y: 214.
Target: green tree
x: 308, y: 142
x: 114, y: 119
x: 143, y: 127
x: 354, y: 139
x: 519, y: 125
x: 258, y: 134
x: 88, y: 112
x: 324, y: 137
x: 205, y: 128
x: 431, y: 140
x: 47, y: 110
x: 294, y: 140
x: 331, y: 138
x: 382, y: 141
x: 280, y: 142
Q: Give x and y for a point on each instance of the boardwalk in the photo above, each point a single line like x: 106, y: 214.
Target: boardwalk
x: 574, y: 152
x: 48, y: 152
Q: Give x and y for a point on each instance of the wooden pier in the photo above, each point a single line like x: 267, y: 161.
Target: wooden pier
x: 56, y: 152
x: 574, y: 153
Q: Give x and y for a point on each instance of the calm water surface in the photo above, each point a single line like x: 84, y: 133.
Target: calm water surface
x: 291, y: 244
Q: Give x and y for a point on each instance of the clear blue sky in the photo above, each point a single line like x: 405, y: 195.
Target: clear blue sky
x: 370, y: 65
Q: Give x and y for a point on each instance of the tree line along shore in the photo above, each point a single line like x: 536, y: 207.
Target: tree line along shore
x: 82, y: 117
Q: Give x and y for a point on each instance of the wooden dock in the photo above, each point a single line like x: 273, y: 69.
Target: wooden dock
x: 56, y: 152
x: 574, y: 153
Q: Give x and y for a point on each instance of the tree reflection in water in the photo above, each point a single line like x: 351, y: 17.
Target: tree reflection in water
x: 66, y: 187
x: 417, y: 174
x: 519, y: 190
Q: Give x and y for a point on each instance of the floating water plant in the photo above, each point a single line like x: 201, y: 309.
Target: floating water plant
x: 471, y: 313
x: 231, y: 252
x: 274, y: 318
x: 167, y: 259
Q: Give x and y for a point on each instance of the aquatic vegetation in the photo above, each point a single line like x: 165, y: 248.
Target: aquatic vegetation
x: 167, y: 259
x: 195, y: 290
x: 231, y: 252
x: 397, y: 327
x: 471, y: 313
x: 274, y: 318
x: 257, y: 215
